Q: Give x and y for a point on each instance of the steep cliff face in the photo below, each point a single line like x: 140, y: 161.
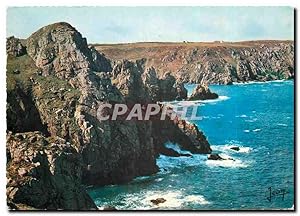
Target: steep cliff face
x: 52, y: 107
x: 139, y: 84
x: 44, y: 173
x: 61, y: 50
x: 219, y: 63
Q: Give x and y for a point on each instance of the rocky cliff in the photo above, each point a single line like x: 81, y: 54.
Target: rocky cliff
x: 56, y: 143
x: 216, y: 62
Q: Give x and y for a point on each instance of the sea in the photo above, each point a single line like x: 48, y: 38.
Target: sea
x: 257, y: 117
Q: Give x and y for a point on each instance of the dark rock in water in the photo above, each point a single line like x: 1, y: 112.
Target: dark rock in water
x: 14, y: 47
x: 186, y: 155
x: 158, y: 201
x: 217, y: 157
x: 202, y: 92
x: 172, y: 153
x: 185, y: 134
x: 214, y: 157
x: 235, y: 148
x: 109, y: 208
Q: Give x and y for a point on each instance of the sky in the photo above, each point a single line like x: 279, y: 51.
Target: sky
x: 165, y: 24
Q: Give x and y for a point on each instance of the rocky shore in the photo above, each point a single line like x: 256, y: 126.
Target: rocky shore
x: 212, y: 62
x: 56, y: 81
x: 56, y: 145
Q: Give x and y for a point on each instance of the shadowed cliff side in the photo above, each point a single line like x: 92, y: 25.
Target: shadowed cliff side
x: 65, y: 81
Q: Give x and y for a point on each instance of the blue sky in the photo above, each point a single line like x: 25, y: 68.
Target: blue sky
x: 133, y: 24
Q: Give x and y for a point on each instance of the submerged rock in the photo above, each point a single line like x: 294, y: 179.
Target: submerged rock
x: 214, y: 157
x: 235, y: 148
x: 217, y: 157
x: 158, y: 201
x: 109, y: 208
x: 172, y: 153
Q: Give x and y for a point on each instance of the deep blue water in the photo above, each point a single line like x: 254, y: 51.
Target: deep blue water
x: 257, y: 117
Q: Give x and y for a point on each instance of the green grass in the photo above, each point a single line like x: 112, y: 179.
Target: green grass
x: 27, y: 69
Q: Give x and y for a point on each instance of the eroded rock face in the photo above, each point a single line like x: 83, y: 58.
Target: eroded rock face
x: 76, y: 146
x: 202, y: 92
x: 112, y: 152
x: 214, y: 63
x: 44, y: 173
x: 60, y: 49
x: 185, y: 134
x: 138, y: 83
x: 14, y: 47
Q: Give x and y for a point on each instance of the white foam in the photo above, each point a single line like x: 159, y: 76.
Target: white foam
x: 259, y: 82
x: 159, y: 179
x: 280, y: 124
x: 256, y: 130
x: 246, y: 131
x: 227, y: 148
x: 220, y: 98
x: 236, y: 163
x: 189, y: 103
x: 172, y: 198
x: 241, y: 116
x: 199, y: 199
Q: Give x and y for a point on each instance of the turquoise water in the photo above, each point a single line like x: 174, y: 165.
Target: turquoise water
x: 257, y: 117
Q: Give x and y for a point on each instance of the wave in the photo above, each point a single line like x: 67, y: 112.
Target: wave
x: 175, y: 103
x: 229, y: 162
x: 259, y: 82
x: 241, y: 116
x: 251, y: 120
x: 142, y: 200
x: 189, y: 103
x: 227, y: 148
x: 256, y: 130
x: 174, y: 199
x: 220, y: 98
x: 280, y: 124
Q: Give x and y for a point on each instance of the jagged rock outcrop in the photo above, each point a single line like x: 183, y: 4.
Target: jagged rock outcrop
x: 170, y: 89
x: 212, y: 63
x: 15, y: 47
x: 138, y: 83
x: 44, y: 173
x: 61, y: 50
x: 134, y: 83
x: 113, y: 152
x: 202, y: 92
x: 182, y: 132
x: 63, y: 88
